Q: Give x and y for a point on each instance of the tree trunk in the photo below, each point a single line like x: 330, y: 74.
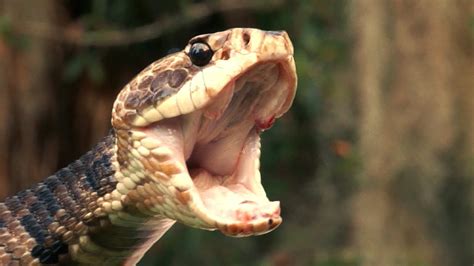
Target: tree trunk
x: 416, y: 104
x: 27, y: 148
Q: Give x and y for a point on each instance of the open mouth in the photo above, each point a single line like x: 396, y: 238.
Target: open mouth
x: 217, y: 149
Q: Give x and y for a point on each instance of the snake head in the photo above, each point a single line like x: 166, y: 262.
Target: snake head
x: 188, y: 132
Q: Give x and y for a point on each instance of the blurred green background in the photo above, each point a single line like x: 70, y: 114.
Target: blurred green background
x: 374, y: 164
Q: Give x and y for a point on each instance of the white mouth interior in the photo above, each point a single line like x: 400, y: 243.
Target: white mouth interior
x: 219, y: 145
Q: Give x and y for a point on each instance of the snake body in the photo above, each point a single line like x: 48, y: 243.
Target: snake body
x: 184, y: 146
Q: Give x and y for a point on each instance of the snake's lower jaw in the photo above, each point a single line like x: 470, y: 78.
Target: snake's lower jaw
x: 237, y: 204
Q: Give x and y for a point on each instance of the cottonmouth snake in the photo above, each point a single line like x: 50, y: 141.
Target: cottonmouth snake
x: 184, y: 146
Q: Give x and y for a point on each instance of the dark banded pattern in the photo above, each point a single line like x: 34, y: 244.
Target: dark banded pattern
x: 38, y: 224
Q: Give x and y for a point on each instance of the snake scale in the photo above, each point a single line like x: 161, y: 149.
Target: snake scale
x: 184, y: 146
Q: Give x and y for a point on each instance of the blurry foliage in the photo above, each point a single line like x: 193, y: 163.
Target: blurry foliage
x: 86, y: 62
x: 8, y: 35
x: 4, y: 26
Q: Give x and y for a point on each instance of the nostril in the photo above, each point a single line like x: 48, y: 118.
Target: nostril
x: 246, y: 38
x: 225, y: 55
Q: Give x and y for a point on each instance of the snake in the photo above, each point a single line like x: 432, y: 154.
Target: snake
x: 184, y: 146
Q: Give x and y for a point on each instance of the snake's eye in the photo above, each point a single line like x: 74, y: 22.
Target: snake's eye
x: 200, y: 53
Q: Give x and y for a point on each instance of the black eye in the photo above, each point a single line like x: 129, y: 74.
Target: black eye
x: 200, y: 53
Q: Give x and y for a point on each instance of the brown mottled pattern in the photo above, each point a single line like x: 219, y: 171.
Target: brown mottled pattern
x: 163, y: 78
x: 38, y: 224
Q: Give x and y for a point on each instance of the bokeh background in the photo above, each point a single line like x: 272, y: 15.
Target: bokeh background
x: 374, y: 164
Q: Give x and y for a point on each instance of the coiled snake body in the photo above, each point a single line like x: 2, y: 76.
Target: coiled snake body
x: 184, y: 147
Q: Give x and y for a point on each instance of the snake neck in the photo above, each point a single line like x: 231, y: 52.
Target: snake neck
x: 71, y: 217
